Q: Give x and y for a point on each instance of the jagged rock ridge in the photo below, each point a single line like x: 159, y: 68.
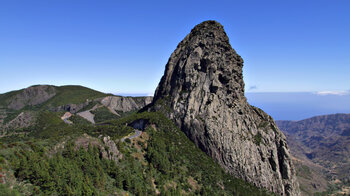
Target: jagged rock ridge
x: 202, y: 90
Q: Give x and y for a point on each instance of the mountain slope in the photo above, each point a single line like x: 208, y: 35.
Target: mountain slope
x: 60, y: 159
x: 30, y: 96
x: 323, y: 140
x: 52, y: 96
x: 73, y: 95
x: 202, y: 91
x: 19, y: 109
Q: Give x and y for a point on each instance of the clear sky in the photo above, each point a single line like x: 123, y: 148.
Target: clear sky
x: 123, y: 46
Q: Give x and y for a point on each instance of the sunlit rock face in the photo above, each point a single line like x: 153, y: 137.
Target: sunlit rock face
x: 202, y: 90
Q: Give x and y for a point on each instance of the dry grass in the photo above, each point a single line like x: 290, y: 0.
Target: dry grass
x: 193, y: 183
x: 140, y: 155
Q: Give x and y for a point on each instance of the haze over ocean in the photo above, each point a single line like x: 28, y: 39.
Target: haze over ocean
x: 299, y: 106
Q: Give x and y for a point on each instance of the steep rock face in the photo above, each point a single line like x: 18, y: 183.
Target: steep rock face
x: 24, y: 119
x: 31, y: 96
x: 202, y: 90
x: 72, y: 108
x: 111, y: 152
x: 108, y: 148
x: 125, y: 104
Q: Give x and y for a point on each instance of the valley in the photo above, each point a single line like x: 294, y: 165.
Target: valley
x: 321, y: 147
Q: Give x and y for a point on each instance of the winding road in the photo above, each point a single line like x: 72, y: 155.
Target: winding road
x: 137, y: 134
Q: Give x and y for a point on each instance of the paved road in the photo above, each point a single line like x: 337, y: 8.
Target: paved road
x: 137, y: 134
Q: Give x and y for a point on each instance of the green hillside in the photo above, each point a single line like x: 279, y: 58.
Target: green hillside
x: 72, y: 94
x: 6, y: 98
x: 162, y: 160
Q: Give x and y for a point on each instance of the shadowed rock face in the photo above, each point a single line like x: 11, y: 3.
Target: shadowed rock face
x: 202, y: 90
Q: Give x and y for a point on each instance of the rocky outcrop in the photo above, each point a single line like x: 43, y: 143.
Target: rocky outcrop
x: 111, y: 151
x: 87, y: 115
x: 24, y: 119
x: 108, y: 148
x: 202, y: 90
x: 31, y: 96
x: 72, y: 108
x: 125, y: 104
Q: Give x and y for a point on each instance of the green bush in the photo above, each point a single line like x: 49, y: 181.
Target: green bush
x: 102, y: 114
x: 257, y: 138
x: 5, y: 191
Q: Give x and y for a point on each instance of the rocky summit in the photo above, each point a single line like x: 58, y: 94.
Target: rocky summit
x: 202, y: 91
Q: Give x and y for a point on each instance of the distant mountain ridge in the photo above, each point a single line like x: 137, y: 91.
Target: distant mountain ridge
x: 326, y: 131
x: 323, y: 140
x: 19, y: 108
x: 324, y: 124
x: 52, y: 96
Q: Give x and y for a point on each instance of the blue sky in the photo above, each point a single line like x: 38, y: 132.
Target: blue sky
x: 122, y: 46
